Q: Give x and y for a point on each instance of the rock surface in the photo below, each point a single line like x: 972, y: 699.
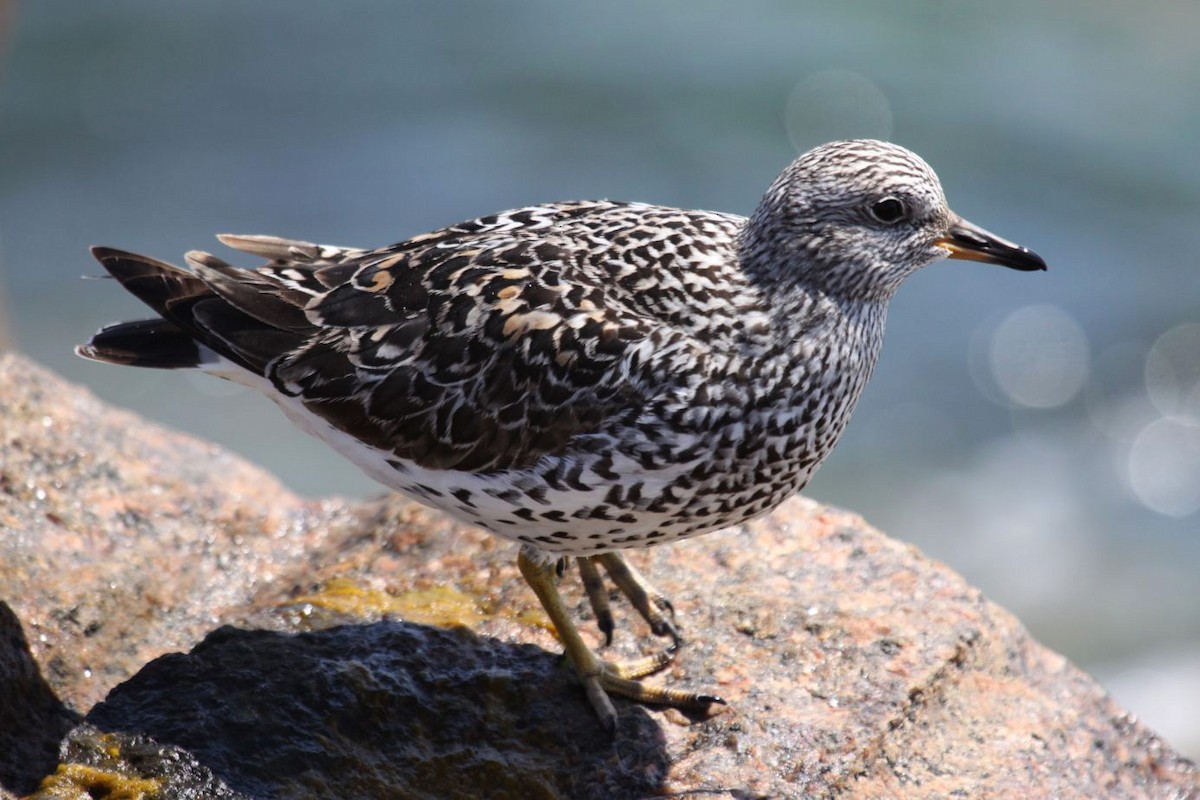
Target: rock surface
x: 246, y: 643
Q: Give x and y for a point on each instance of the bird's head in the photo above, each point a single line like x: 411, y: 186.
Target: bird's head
x: 857, y: 217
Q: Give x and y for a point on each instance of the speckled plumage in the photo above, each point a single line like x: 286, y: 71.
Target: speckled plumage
x: 580, y: 377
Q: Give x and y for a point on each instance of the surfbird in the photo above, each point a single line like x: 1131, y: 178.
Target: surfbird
x: 579, y: 377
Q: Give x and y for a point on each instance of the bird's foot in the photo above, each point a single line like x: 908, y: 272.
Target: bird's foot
x: 601, y: 679
x: 620, y: 680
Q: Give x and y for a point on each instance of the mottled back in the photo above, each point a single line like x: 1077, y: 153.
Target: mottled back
x: 478, y: 347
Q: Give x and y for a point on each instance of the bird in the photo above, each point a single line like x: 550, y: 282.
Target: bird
x: 581, y: 378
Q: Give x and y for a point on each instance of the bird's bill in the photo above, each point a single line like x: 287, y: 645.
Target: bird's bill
x: 971, y: 243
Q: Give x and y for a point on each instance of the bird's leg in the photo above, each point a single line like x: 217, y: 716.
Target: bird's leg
x: 599, y: 678
x: 597, y: 595
x: 652, y: 604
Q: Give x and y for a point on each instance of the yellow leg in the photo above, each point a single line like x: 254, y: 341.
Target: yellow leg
x: 652, y: 604
x: 599, y: 679
x: 597, y: 595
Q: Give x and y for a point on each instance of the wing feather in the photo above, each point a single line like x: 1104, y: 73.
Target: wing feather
x: 482, y: 346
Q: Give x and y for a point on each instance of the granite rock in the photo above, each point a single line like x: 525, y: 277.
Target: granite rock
x: 225, y: 638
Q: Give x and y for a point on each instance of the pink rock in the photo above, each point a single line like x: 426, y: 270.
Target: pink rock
x: 365, y: 634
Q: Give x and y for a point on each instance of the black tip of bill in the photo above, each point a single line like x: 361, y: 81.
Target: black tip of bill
x: 972, y: 243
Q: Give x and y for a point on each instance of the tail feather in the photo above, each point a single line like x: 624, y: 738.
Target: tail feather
x: 156, y: 283
x: 251, y: 293
x: 198, y: 319
x: 143, y: 343
x: 273, y: 248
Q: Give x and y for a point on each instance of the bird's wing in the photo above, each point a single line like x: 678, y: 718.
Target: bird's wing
x: 479, y: 347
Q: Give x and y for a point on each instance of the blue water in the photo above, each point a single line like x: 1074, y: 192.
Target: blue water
x: 1024, y: 428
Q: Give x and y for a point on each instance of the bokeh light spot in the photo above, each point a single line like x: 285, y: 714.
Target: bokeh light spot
x: 836, y: 104
x: 1164, y: 467
x: 1039, y: 357
x: 1173, y: 373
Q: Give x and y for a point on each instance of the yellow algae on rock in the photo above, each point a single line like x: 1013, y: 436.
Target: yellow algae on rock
x: 443, y: 606
x: 81, y: 782
x: 439, y: 605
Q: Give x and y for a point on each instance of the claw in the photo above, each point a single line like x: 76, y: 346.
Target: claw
x: 666, y: 627
x: 606, y: 626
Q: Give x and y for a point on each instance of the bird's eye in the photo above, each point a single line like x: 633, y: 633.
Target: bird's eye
x: 889, y: 210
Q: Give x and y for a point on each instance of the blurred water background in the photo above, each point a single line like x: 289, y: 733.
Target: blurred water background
x: 1041, y: 433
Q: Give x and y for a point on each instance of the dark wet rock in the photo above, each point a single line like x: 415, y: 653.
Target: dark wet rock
x: 117, y: 766
x: 439, y: 711
x: 32, y: 719
x: 378, y: 650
